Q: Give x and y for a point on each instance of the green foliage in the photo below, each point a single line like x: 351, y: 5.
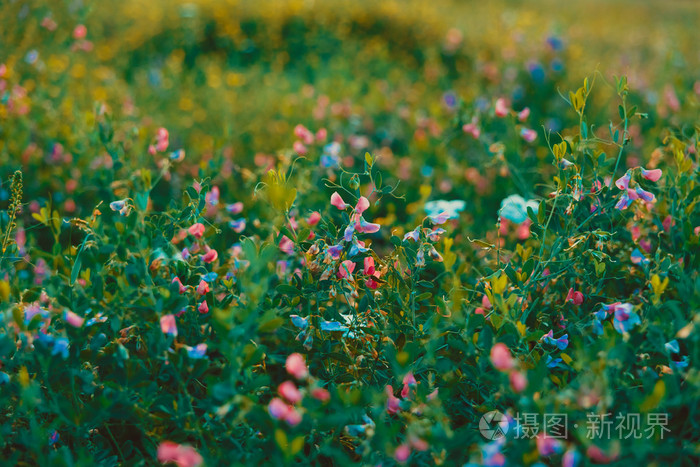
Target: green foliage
x: 353, y: 273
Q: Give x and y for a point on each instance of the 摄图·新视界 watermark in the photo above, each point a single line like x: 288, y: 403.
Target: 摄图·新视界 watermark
x: 494, y: 425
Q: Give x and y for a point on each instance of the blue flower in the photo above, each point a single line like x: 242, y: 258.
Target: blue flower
x: 357, y: 248
x: 561, y: 342
x: 672, y: 346
x: 514, y: 208
x: 331, y: 326
x: 625, y: 319
x: 331, y: 155
x: 198, y: 351
x: 555, y: 362
x: 555, y: 42
x: 683, y: 363
x: 638, y: 258
x: 4, y: 378
x: 298, y: 321
x: 210, y: 277
x: 60, y: 347
x: 450, y: 209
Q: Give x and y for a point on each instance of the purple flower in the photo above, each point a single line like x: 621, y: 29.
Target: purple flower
x: 434, y: 235
x: 335, y: 250
x: 645, y: 195
x: 413, y: 234
x: 235, y: 208
x: 625, y: 318
x: 624, y: 182
x: 367, y: 227
x: 624, y: 202
x: 349, y: 230
x: 237, y: 225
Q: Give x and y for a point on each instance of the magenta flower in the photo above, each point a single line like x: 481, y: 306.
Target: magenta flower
x: 197, y: 230
x: 472, y: 129
x: 518, y: 380
x: 362, y: 205
x: 299, y: 148
x: 181, y: 455
x: 501, y: 357
x: 304, y: 134
x: 290, y: 392
x: 501, y: 107
x: 168, y: 325
x: 278, y: 408
x: 368, y: 266
x: 409, y: 381
x: 402, y: 453
x: 523, y: 114
x: 286, y: 245
x: 79, y: 32
x: 162, y: 139
x: 338, y: 202
x: 73, y: 319
x: 181, y: 288
x: 203, y: 307
x: 320, y: 394
x: 571, y: 458
x: 393, y: 402
x: 296, y: 366
x: 313, y: 218
x: 575, y: 296
x: 528, y: 135
x: 624, y: 182
x: 652, y: 175
x: 345, y: 270
x: 548, y: 446
x: 203, y: 288
x: 210, y: 256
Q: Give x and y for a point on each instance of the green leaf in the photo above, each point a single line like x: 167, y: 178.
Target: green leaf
x: 77, y: 264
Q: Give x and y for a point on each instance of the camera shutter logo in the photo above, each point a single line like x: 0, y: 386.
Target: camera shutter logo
x: 493, y: 425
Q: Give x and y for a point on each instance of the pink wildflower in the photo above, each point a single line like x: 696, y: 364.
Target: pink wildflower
x: 296, y: 366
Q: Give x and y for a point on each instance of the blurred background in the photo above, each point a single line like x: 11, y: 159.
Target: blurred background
x: 232, y: 70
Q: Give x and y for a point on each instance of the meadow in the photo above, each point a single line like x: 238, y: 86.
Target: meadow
x: 286, y: 232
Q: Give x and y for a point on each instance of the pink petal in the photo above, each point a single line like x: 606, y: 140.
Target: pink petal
x: 653, y: 175
x: 168, y: 325
x: 362, y: 205
x: 338, y: 202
